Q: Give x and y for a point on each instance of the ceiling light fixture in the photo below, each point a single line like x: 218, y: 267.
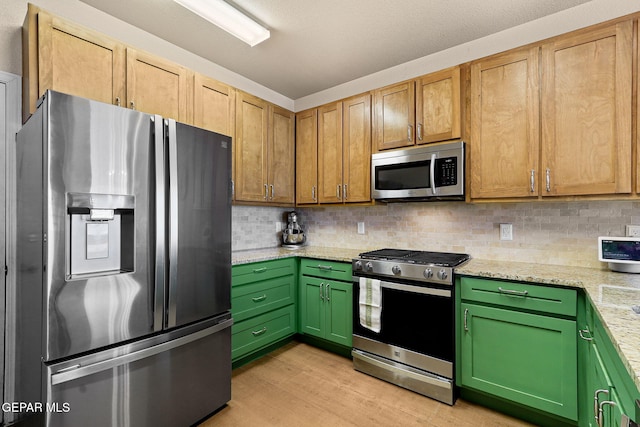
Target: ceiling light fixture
x: 229, y: 19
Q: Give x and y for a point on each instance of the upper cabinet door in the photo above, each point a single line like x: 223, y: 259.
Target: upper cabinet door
x: 74, y: 60
x: 505, y: 116
x: 330, y: 153
x: 281, y: 169
x: 356, y: 149
x: 214, y: 105
x: 158, y: 86
x: 586, y: 104
x: 438, y: 106
x: 395, y: 116
x: 250, y: 148
x: 307, y: 157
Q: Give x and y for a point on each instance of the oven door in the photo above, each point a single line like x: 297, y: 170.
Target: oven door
x: 416, y: 326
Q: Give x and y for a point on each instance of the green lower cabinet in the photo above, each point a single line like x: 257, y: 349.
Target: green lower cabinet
x: 325, y: 309
x: 260, y: 331
x: 526, y: 358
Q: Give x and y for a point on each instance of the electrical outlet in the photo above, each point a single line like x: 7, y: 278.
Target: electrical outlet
x: 361, y: 228
x: 278, y: 226
x: 506, y: 232
x: 633, y: 230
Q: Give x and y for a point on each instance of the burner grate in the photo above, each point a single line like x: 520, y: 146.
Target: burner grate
x: 445, y: 259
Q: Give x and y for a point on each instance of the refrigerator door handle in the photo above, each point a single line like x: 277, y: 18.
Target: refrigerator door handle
x: 173, y: 222
x: 66, y: 375
x: 160, y: 217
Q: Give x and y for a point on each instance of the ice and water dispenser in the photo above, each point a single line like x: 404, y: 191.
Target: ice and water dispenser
x: 100, y: 237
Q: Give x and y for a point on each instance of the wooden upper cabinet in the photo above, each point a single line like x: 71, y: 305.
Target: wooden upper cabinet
x: 281, y: 156
x: 68, y: 58
x: 214, y: 105
x: 330, y: 153
x: 158, y: 86
x: 438, y: 106
x: 250, y: 148
x: 504, y: 131
x: 586, y: 105
x: 395, y: 116
x: 356, y: 149
x: 307, y: 157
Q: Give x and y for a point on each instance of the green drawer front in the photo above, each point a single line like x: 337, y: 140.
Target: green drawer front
x: 326, y: 269
x: 256, y: 298
x: 258, y: 271
x: 258, y: 332
x: 524, y: 296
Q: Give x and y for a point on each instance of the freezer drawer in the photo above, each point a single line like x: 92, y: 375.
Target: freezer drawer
x: 174, y: 383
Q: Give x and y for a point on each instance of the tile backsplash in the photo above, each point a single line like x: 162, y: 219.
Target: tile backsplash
x: 545, y: 232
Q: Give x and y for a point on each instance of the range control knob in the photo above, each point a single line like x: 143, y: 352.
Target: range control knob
x: 442, y: 275
x: 428, y: 273
x: 368, y: 267
x: 396, y: 270
x: 358, y: 265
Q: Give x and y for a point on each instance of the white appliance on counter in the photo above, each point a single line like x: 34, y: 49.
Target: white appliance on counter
x: 621, y: 253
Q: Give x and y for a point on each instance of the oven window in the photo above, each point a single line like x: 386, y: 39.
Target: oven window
x: 403, y: 176
x: 417, y: 322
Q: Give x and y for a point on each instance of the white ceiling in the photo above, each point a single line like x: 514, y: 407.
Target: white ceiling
x: 319, y: 44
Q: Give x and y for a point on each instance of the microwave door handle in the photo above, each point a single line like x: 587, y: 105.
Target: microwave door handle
x: 432, y: 173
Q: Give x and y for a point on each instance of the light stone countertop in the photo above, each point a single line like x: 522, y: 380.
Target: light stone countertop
x: 612, y: 294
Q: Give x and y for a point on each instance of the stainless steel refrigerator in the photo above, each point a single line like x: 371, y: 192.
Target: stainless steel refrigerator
x: 123, y: 268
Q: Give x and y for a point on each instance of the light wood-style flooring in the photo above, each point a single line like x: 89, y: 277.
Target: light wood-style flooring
x: 300, y: 385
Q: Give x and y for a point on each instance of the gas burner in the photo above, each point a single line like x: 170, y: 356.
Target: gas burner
x: 441, y: 259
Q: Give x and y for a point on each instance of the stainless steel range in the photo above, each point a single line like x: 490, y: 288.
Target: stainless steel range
x: 403, y: 319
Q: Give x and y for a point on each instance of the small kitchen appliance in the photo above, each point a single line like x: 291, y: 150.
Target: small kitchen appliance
x: 293, y: 236
x: 412, y: 344
x: 621, y: 253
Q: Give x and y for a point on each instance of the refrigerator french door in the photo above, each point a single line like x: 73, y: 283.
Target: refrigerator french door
x: 123, y: 266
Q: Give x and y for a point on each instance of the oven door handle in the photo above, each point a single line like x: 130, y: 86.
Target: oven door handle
x: 411, y: 288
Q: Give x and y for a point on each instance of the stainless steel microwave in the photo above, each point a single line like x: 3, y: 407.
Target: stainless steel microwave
x: 431, y: 172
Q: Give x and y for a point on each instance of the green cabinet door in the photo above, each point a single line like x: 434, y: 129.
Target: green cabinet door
x: 339, y: 322
x: 526, y: 358
x: 325, y: 309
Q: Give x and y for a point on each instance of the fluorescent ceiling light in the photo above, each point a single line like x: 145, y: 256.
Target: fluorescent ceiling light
x: 229, y: 19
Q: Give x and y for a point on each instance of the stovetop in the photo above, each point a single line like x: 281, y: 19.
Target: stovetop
x: 441, y: 259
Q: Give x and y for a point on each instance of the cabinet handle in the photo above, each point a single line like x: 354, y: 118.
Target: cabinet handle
x: 600, y: 411
x: 419, y: 131
x: 273, y: 191
x: 581, y: 332
x: 548, y: 180
x: 344, y: 191
x: 118, y: 102
x: 260, y: 270
x: 338, y: 191
x: 260, y: 298
x: 409, y: 133
x: 512, y: 292
x: 596, y: 403
x: 322, y: 291
x: 313, y: 193
x: 259, y: 332
x: 233, y: 188
x: 327, y: 288
x: 324, y: 267
x: 466, y: 326
x: 133, y: 105
x: 266, y: 192
x: 533, y: 180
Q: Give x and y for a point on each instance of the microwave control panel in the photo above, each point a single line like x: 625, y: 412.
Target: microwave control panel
x: 446, y: 171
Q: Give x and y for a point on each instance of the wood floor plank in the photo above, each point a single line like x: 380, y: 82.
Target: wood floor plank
x: 300, y: 385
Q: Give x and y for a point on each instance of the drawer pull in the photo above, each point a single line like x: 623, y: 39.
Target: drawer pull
x: 260, y: 298
x: 582, y: 333
x: 324, y: 267
x: 512, y: 292
x: 259, y: 332
x: 260, y: 270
